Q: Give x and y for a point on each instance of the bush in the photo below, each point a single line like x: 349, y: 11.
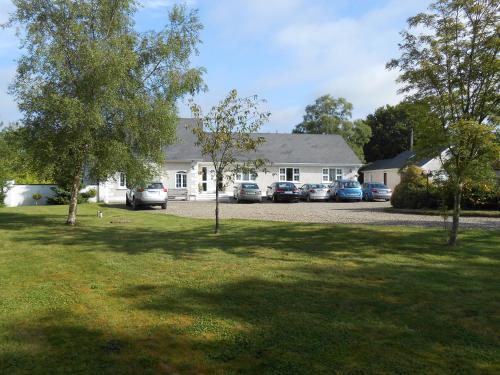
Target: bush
x: 3, y: 194
x: 414, y: 192
x: 91, y: 193
x: 485, y: 195
x: 36, y: 197
x: 63, y: 196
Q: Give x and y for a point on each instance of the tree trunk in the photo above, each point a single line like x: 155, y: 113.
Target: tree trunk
x: 75, y: 187
x: 216, y: 231
x: 457, y: 198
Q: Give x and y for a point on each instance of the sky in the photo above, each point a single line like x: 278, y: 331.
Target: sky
x: 288, y: 52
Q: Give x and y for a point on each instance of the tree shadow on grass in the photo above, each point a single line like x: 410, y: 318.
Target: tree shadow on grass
x: 374, y: 319
x: 184, y: 237
x: 64, y: 343
x: 303, y: 320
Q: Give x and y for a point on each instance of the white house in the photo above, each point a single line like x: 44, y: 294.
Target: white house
x: 298, y: 158
x: 387, y: 170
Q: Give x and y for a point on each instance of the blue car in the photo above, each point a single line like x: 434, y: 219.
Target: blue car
x: 346, y: 190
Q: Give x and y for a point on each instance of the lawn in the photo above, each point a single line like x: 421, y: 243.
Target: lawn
x: 141, y: 293
x: 425, y: 211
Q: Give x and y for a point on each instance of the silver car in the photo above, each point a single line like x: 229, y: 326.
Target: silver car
x: 376, y: 190
x: 314, y: 192
x: 153, y: 194
x: 247, y: 191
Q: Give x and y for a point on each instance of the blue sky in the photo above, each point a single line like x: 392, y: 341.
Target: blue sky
x: 288, y: 52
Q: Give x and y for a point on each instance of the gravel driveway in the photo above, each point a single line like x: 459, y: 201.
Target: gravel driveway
x: 319, y: 212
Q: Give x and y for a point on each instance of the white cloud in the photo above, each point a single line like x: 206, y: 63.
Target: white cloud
x: 318, y: 47
x: 8, y: 107
x: 155, y: 4
x: 282, y: 118
x: 6, y: 7
x: 344, y: 56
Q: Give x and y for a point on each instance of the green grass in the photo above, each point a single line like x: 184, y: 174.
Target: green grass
x: 140, y: 293
x: 425, y: 211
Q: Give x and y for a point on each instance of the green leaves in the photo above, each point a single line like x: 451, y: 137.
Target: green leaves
x: 330, y: 115
x: 94, y: 93
x: 449, y: 60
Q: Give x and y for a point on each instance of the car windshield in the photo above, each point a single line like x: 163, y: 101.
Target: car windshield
x: 351, y: 184
x: 286, y: 185
x: 379, y: 186
x: 155, y: 185
x: 317, y: 186
x: 249, y: 186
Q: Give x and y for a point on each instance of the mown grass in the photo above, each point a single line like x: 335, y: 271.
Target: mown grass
x: 424, y: 211
x: 138, y: 293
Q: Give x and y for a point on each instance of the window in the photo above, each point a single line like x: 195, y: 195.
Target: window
x: 246, y: 176
x: 339, y: 174
x: 332, y: 174
x: 180, y: 180
x: 289, y: 174
x: 123, y: 180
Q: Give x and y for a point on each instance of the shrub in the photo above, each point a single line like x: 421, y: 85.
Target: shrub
x: 91, y: 193
x: 413, y: 191
x: 481, y: 195
x: 36, y: 197
x: 3, y: 194
x: 63, y: 196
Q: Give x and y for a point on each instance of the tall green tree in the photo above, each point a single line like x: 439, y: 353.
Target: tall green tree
x: 392, y: 129
x: 96, y: 95
x: 226, y: 135
x: 329, y: 115
x: 449, y: 60
x: 16, y: 163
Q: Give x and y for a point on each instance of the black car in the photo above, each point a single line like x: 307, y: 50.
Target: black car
x: 283, y: 192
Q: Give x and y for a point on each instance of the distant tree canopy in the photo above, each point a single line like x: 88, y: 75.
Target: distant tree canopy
x: 391, y: 129
x: 329, y: 115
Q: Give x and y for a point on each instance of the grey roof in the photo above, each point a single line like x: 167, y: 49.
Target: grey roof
x: 325, y: 149
x: 399, y: 161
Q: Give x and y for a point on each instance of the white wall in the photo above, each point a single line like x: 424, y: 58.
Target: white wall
x: 22, y: 195
x: 393, y: 177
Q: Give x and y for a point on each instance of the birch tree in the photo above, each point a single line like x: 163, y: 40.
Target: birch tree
x: 97, y: 96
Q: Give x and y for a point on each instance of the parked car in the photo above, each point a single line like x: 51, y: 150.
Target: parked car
x: 314, y: 192
x: 283, y: 192
x: 376, y: 190
x: 154, y: 194
x: 346, y: 190
x: 247, y: 191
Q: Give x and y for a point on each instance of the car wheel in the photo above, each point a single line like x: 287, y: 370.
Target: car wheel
x: 164, y: 206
